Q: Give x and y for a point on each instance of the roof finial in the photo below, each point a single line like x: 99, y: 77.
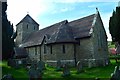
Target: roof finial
x: 96, y: 9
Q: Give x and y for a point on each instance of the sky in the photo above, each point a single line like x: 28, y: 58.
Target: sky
x: 48, y: 12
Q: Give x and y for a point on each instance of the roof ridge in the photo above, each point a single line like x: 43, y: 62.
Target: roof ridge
x: 82, y: 18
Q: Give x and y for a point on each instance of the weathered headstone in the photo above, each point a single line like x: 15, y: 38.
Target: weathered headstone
x: 116, y: 74
x: 66, y: 70
x: 33, y: 73
x: 89, y: 63
x: 28, y: 63
x: 58, y: 68
x: 40, y: 68
x: 41, y: 65
x: 79, y: 67
x: 8, y: 77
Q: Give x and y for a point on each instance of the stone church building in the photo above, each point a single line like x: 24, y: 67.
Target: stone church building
x: 82, y: 40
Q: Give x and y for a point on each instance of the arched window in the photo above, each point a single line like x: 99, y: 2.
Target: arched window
x: 27, y: 26
x: 34, y: 27
x: 63, y: 48
x: 51, y: 49
x: 35, y: 50
x: 45, y: 49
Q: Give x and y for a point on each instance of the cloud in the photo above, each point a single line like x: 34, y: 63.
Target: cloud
x: 61, y: 10
x: 17, y: 9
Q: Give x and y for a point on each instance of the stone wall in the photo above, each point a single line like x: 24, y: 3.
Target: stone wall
x: 100, y: 44
x: 93, y: 51
x: 58, y: 54
x: 34, y: 53
x: 51, y: 57
x: 19, y: 34
x: 84, y: 51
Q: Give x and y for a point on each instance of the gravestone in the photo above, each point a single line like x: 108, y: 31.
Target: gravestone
x: 66, y: 70
x: 89, y: 64
x: 116, y: 74
x: 33, y: 72
x: 79, y: 67
x: 58, y: 68
x: 40, y: 68
x: 41, y: 65
x: 8, y: 77
x: 13, y: 63
x: 28, y: 63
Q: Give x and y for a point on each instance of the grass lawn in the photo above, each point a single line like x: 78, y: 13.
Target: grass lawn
x: 50, y: 73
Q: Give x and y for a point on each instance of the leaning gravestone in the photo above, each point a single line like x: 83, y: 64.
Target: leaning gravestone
x: 79, y: 67
x: 58, y: 68
x: 33, y: 73
x: 116, y: 74
x: 66, y: 70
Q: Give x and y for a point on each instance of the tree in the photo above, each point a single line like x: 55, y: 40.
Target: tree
x: 114, y: 25
x: 7, y: 32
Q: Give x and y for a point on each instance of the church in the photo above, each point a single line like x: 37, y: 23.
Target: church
x: 82, y: 40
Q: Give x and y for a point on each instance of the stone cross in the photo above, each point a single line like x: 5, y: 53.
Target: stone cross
x: 116, y: 74
x: 66, y: 70
x: 79, y: 67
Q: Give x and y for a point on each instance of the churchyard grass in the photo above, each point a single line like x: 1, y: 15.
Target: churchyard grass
x: 98, y: 72
x: 17, y: 73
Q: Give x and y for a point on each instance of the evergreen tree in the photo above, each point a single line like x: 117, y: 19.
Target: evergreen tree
x: 114, y: 25
x: 7, y: 32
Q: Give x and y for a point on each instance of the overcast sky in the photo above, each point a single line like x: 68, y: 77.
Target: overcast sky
x: 48, y: 12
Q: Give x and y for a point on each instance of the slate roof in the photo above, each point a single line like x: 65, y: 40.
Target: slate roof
x: 64, y: 34
x: 28, y: 19
x: 63, y: 31
x: 20, y: 52
x: 81, y: 27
